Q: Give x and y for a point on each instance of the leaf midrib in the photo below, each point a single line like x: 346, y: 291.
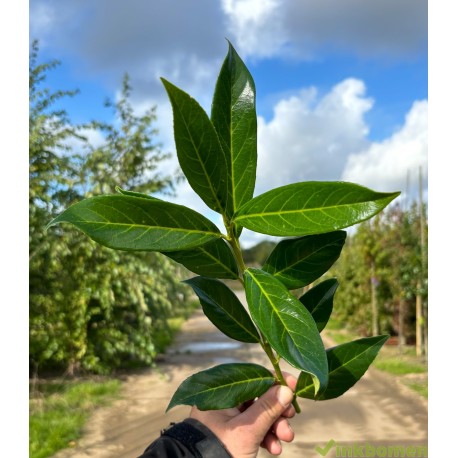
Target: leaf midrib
x: 354, y: 357
x: 340, y: 367
x: 304, y: 259
x: 230, y: 385
x: 232, y: 316
x: 273, y: 306
x: 301, y: 210
x: 218, y: 261
x: 143, y: 226
x: 324, y: 299
x: 209, y: 182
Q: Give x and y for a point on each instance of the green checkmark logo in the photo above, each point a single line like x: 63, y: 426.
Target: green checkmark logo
x: 325, y: 450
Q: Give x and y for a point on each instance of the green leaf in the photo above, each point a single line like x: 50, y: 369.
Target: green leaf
x: 347, y: 364
x: 139, y: 224
x: 224, y: 309
x: 223, y: 386
x: 287, y: 325
x: 319, y: 301
x: 234, y: 117
x: 298, y: 262
x: 214, y: 259
x: 198, y: 148
x: 311, y: 207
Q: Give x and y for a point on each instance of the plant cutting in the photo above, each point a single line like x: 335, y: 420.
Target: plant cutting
x: 218, y: 156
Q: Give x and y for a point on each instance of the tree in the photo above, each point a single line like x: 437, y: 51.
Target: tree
x: 382, y: 263
x: 129, y: 158
x: 52, y: 178
x: 50, y: 169
x: 92, y: 308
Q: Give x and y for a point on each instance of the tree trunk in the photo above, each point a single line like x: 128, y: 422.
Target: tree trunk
x: 420, y: 346
x: 401, y: 335
x: 374, y: 304
x: 421, y: 307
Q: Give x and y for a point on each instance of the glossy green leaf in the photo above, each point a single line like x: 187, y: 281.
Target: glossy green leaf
x: 319, y: 301
x: 199, y: 151
x: 347, y: 364
x: 139, y: 224
x: 298, y: 262
x: 234, y: 117
x: 223, y: 386
x: 224, y: 309
x: 287, y: 325
x: 311, y: 207
x: 214, y: 259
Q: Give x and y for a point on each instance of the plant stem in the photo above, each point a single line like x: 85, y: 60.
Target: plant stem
x: 275, y: 360
x: 275, y: 363
x: 234, y: 242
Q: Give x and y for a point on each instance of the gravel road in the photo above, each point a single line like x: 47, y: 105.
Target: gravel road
x: 377, y: 413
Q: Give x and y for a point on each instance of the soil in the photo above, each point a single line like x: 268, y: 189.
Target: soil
x: 377, y: 412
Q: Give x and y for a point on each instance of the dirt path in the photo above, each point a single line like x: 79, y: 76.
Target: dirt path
x: 377, y: 412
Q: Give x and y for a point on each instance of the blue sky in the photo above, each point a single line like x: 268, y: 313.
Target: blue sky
x: 342, y: 87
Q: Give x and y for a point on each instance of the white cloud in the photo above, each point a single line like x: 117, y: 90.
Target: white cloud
x: 305, y: 28
x: 309, y: 137
x: 181, y: 40
x: 326, y: 138
x: 386, y: 165
x: 253, y: 24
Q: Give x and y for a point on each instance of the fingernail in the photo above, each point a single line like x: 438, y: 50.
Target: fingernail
x: 284, y: 395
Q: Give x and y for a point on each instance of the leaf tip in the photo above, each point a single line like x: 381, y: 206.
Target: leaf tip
x: 170, y: 406
x: 231, y: 46
x: 167, y: 84
x: 384, y: 338
x: 189, y: 281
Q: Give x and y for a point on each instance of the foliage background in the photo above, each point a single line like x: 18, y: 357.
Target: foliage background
x: 92, y: 308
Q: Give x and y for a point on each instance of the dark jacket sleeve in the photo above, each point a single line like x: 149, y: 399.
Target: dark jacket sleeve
x: 190, y: 438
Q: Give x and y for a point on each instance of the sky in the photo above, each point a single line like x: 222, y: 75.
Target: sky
x: 342, y: 87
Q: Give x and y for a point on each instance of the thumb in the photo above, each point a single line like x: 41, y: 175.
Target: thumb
x: 263, y: 413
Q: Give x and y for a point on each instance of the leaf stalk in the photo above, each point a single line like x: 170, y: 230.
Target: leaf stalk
x: 275, y: 360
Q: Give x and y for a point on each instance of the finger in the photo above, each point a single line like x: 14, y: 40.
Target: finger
x: 272, y: 444
x: 289, y: 412
x: 261, y: 416
x: 290, y: 380
x: 283, y: 430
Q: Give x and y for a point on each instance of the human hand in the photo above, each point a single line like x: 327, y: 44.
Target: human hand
x: 260, y: 423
